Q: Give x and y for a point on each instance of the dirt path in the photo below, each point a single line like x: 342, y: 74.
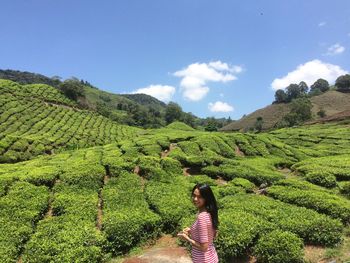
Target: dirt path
x: 61, y: 105
x: 166, y: 152
x: 288, y: 173
x: 106, y: 178
x: 185, y: 171
x: 220, y: 181
x: 165, y: 250
x: 238, y: 151
x: 143, y: 180
x: 100, y: 205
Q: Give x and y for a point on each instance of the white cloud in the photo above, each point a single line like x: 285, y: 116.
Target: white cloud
x: 335, y: 49
x: 196, y: 76
x: 323, y: 23
x: 309, y: 72
x: 161, y: 92
x: 220, y: 106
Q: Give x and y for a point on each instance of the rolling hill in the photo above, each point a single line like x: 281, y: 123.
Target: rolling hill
x: 332, y: 102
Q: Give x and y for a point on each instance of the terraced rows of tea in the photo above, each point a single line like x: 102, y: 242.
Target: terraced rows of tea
x: 96, y: 203
x: 37, y: 119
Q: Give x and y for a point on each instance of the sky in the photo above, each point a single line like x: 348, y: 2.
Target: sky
x: 214, y: 58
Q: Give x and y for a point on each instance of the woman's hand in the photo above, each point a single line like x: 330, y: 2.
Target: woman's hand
x: 187, y: 231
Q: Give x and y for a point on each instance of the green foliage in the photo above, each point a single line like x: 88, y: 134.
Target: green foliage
x: 173, y: 112
x: 177, y: 125
x: 170, y: 200
x: 127, y: 218
x: 344, y: 188
x: 258, y: 125
x: 280, y: 96
x: 64, y: 239
x: 72, y: 88
x: 300, y: 111
x: 20, y: 209
x: 37, y: 119
x: 279, y: 246
x: 322, y: 179
x: 84, y: 174
x: 343, y: 83
x: 320, y: 84
x: 330, y: 204
x: 256, y: 170
x: 244, y: 183
x: 231, y: 244
x: 312, y: 227
x: 338, y: 166
x: 321, y: 113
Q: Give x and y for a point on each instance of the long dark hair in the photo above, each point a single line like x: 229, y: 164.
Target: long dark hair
x: 210, y: 202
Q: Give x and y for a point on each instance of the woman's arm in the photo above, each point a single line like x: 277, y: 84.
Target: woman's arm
x: 201, y: 246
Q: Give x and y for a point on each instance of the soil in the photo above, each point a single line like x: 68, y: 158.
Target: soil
x: 166, y: 152
x: 238, y: 152
x: 165, y: 250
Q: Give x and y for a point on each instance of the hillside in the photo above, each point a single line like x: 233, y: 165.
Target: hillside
x: 37, y: 119
x: 332, y: 102
x: 132, y: 109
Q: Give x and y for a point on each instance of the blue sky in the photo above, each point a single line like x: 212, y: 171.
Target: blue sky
x: 214, y: 58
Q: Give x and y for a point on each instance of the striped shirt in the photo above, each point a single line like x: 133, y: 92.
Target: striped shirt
x: 202, y: 231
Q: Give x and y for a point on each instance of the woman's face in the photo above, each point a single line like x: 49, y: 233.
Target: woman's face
x: 197, y: 199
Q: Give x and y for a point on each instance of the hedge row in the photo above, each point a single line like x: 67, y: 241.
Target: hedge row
x: 127, y: 219
x: 313, y: 227
x: 330, y: 204
x: 20, y: 209
x: 171, y: 200
x: 71, y: 233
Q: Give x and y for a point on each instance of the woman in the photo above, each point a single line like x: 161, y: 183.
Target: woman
x: 204, y: 229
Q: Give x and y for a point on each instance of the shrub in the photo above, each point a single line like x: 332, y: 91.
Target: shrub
x: 84, y: 174
x: 238, y: 231
x: 189, y: 147
x: 326, y: 180
x: 344, y: 188
x: 170, y: 165
x: 279, y: 246
x: 65, y: 239
x: 330, y: 204
x: 170, y: 201
x: 127, y: 215
x: 313, y: 227
x: 244, y: 183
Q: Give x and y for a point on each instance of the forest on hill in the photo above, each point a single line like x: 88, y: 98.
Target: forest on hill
x: 77, y: 186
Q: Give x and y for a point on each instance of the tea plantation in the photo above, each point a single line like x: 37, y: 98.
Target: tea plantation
x: 77, y: 187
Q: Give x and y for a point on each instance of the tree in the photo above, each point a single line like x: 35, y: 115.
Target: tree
x: 294, y: 91
x: 189, y: 119
x: 72, y: 88
x: 211, y: 125
x: 321, y: 113
x: 300, y: 111
x: 343, y: 83
x: 259, y: 124
x: 320, y: 84
x: 280, y: 96
x: 173, y: 112
x: 303, y: 87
